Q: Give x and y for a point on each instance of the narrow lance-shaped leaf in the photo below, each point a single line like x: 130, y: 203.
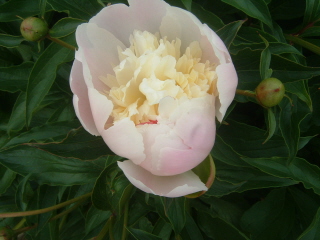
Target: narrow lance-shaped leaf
x: 43, y: 75
x: 272, y: 124
x: 228, y: 32
x: 254, y: 8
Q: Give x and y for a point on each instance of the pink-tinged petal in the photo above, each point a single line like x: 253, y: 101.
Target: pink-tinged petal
x: 179, y: 143
x: 124, y: 140
x: 170, y: 186
x: 80, y: 98
x: 101, y: 108
x: 121, y: 20
x: 196, y: 128
x: 98, y: 51
x: 227, y: 85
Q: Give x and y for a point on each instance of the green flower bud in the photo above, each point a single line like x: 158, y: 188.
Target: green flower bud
x: 6, y: 233
x: 270, y: 92
x: 34, y: 29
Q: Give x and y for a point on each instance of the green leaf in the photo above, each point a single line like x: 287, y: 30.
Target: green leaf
x: 64, y: 27
x: 191, y: 230
x: 225, y: 153
x: 15, y: 78
x: 300, y: 89
x: 217, y: 228
x: 290, y: 119
x: 78, y: 143
x: 187, y: 4
x: 17, y: 118
x: 312, y: 11
x: 265, y: 59
x: 239, y: 179
x: 175, y: 211
x: 299, y: 170
x: 264, y: 221
x: 11, y: 9
x: 10, y: 41
x: 43, y: 75
x: 254, y: 8
x: 82, y: 9
x: 142, y: 235
x: 212, y: 20
x: 248, y: 140
x: 6, y: 179
x: 307, y: 204
x: 48, y: 168
x: 228, y: 32
x: 95, y: 220
x: 42, y: 7
x: 311, y: 32
x: 272, y: 124
x: 274, y: 47
x: 313, y: 231
x: 24, y: 193
x: 162, y: 229
x: 111, y: 190
x: 46, y: 133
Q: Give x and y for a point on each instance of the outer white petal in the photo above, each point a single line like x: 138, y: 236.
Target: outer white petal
x: 101, y: 108
x: 80, y: 98
x: 121, y: 20
x: 179, y: 23
x: 227, y: 84
x: 171, y: 186
x: 124, y: 140
x: 98, y: 50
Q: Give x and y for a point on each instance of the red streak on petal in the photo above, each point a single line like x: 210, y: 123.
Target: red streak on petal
x: 150, y: 122
x: 277, y: 90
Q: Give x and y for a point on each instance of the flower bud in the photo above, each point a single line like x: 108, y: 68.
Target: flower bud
x: 270, y: 92
x: 34, y: 29
x: 6, y: 233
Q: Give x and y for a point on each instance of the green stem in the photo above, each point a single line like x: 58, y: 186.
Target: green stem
x: 44, y: 210
x: 66, y: 211
x: 125, y: 221
x: 303, y: 43
x: 62, y: 43
x: 246, y: 93
x: 111, y: 228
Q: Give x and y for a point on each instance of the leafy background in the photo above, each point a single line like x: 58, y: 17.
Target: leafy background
x: 263, y: 189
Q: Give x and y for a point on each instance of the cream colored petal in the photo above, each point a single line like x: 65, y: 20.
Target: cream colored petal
x: 80, y: 98
x: 172, y: 186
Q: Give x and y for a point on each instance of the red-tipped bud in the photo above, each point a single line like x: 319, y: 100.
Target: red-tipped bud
x: 270, y: 92
x: 34, y: 29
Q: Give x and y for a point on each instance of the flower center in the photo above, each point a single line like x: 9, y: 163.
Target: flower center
x: 153, y: 68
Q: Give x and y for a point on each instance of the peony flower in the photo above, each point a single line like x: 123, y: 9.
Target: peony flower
x: 151, y: 79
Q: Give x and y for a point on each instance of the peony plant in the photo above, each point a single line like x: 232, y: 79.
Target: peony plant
x: 151, y: 79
